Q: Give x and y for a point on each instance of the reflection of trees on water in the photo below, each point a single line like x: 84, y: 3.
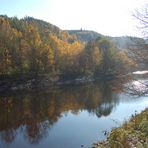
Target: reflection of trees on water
x: 8, y: 135
x: 35, y: 113
x: 109, y: 98
x: 36, y: 131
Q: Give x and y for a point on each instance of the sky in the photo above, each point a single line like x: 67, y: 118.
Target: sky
x: 108, y: 17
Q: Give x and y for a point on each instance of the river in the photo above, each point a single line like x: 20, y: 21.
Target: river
x: 67, y: 117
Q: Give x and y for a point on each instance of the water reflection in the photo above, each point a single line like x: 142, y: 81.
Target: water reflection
x: 33, y: 114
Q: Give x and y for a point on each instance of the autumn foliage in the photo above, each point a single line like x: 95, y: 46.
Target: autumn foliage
x: 33, y: 47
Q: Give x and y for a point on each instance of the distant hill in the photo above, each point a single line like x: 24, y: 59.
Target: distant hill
x: 126, y: 42
x: 122, y: 42
x: 84, y: 35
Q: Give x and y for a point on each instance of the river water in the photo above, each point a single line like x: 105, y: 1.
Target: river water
x: 67, y: 117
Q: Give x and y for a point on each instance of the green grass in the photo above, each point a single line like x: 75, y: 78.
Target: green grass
x: 133, y: 133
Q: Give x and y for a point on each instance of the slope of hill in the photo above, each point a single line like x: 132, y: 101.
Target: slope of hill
x: 126, y: 42
x: 46, y: 28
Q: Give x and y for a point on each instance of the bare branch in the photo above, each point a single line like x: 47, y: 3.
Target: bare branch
x: 142, y: 16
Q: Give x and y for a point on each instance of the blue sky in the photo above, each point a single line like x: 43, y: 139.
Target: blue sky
x: 108, y: 17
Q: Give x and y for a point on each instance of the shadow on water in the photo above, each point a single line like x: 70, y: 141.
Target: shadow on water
x: 35, y: 113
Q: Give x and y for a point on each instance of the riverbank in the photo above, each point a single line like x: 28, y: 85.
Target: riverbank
x: 132, y: 134
x: 38, y: 83
x: 26, y: 82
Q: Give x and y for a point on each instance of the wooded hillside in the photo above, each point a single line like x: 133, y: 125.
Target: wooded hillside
x: 33, y: 47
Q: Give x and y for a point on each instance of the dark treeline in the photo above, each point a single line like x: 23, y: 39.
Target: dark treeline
x: 33, y: 47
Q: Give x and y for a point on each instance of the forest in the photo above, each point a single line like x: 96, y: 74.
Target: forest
x: 34, y: 49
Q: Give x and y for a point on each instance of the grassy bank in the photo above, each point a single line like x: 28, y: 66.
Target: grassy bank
x: 132, y: 134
